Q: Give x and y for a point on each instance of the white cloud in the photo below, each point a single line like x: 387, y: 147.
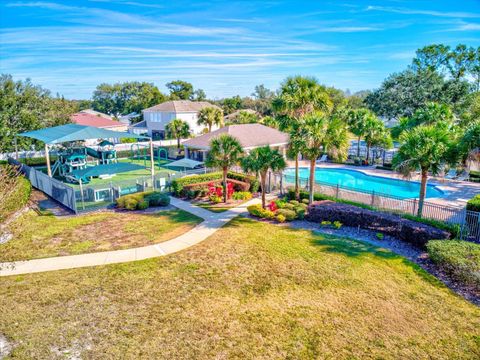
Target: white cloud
x: 407, y: 11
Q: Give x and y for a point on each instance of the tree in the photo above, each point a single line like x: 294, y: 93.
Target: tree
x: 180, y: 90
x: 231, y: 104
x: 260, y: 161
x: 125, y: 98
x: 177, y: 129
x: 376, y: 134
x: 469, y: 144
x: 210, y: 116
x: 357, y: 120
x: 299, y: 96
x: 262, y: 93
x: 246, y: 117
x: 225, y: 151
x: 426, y: 148
x: 199, y: 95
x: 24, y: 107
x: 319, y: 133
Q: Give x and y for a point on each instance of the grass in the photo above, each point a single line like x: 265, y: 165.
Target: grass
x: 221, y: 207
x: 253, y: 290
x: 38, y: 236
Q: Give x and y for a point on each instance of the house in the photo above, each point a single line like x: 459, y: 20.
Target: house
x: 89, y: 119
x: 139, y: 128
x: 96, y: 113
x: 129, y: 118
x: 250, y: 136
x: 158, y: 116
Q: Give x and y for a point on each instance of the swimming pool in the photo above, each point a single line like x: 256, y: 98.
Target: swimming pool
x: 359, y: 181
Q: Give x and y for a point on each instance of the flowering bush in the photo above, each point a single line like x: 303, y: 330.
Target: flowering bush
x: 215, y: 189
x: 242, y: 195
x: 273, y: 206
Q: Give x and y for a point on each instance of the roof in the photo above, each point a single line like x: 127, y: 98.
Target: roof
x: 185, y: 163
x: 97, y: 113
x: 75, y: 132
x: 181, y: 106
x: 141, y: 124
x: 94, y: 120
x: 249, y: 136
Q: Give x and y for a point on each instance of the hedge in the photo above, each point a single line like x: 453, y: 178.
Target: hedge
x: 142, y: 200
x: 460, y: 259
x: 474, y: 203
x: 178, y: 184
x: 453, y: 229
x: 406, y: 230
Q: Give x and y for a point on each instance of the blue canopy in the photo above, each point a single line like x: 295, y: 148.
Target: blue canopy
x: 75, y: 132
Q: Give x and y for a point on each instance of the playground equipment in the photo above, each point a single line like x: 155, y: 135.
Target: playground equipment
x: 142, y: 152
x: 71, y: 159
x: 105, y: 153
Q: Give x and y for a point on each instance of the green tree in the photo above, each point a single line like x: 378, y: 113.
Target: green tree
x: 376, y: 134
x: 225, y: 151
x: 425, y: 148
x: 262, y: 93
x: 319, y: 133
x: 199, y: 95
x: 299, y: 96
x: 180, y: 90
x: 24, y: 107
x: 246, y: 117
x: 357, y: 120
x: 231, y: 104
x: 469, y: 144
x: 260, y: 161
x: 177, y: 129
x: 210, y: 116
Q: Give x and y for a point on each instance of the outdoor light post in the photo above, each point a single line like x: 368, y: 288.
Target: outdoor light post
x: 152, y: 164
x: 47, y: 157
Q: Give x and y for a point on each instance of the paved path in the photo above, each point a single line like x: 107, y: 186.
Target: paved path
x: 212, y: 222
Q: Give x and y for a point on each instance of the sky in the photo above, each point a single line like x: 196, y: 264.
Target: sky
x: 223, y: 47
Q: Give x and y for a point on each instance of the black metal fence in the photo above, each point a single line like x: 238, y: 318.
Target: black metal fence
x: 468, y: 221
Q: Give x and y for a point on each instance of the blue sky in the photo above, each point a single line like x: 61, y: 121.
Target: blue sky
x: 223, y: 47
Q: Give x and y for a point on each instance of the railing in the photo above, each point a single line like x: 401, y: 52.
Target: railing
x: 469, y: 221
x: 57, y: 190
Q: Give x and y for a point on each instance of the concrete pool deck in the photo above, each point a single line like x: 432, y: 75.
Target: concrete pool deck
x: 457, y: 192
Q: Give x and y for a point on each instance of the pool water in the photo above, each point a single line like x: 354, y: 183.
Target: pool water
x: 360, y: 181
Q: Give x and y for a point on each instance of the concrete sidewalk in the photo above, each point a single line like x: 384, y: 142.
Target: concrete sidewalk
x: 212, y: 222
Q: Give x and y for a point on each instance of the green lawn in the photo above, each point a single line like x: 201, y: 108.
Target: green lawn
x: 37, y: 236
x: 253, y: 290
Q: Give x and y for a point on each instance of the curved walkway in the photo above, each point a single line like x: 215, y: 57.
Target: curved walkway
x: 212, y: 222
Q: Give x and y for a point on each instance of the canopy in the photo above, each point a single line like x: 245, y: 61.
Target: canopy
x: 185, y: 163
x: 75, y: 132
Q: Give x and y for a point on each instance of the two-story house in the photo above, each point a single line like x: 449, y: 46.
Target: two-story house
x: 158, y: 116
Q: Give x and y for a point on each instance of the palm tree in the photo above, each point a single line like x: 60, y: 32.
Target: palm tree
x: 210, y: 116
x: 225, y: 151
x: 376, y: 134
x: 298, y: 97
x: 357, y: 121
x: 177, y: 129
x: 319, y: 133
x: 469, y: 144
x: 424, y: 148
x: 259, y: 161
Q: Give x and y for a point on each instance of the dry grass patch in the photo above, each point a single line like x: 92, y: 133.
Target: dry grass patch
x: 253, y: 290
x: 37, y: 236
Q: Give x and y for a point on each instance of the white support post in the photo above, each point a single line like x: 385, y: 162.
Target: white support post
x: 47, y: 157
x: 152, y: 164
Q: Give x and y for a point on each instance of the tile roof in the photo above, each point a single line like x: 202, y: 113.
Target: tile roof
x: 94, y: 120
x: 181, y: 106
x: 249, y: 136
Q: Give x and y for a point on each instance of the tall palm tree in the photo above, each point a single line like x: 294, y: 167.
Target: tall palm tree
x: 177, y: 129
x: 319, y: 133
x: 225, y: 151
x: 469, y: 144
x: 210, y: 116
x: 298, y: 97
x: 424, y: 148
x: 260, y: 160
x: 357, y: 121
x: 376, y: 134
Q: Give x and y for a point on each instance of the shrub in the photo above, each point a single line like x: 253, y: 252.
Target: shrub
x: 142, y: 205
x: 242, y: 195
x: 280, y: 218
x: 406, y: 230
x: 460, y: 259
x: 258, y: 211
x: 379, y: 236
x: 16, y: 193
x: 157, y: 199
x: 289, y: 214
x: 294, y: 202
x: 300, y: 212
x: 214, y: 198
x: 289, y: 206
x: 252, y: 180
x: 474, y: 203
x: 131, y: 204
x: 178, y: 184
x: 305, y: 201
x: 326, y: 223
x: 453, y: 229
x: 280, y: 203
x: 337, y: 224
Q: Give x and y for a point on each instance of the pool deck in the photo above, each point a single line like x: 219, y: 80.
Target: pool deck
x: 457, y: 192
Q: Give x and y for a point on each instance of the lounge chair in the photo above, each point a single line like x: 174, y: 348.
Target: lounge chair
x: 324, y: 158
x: 463, y: 176
x: 452, y: 174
